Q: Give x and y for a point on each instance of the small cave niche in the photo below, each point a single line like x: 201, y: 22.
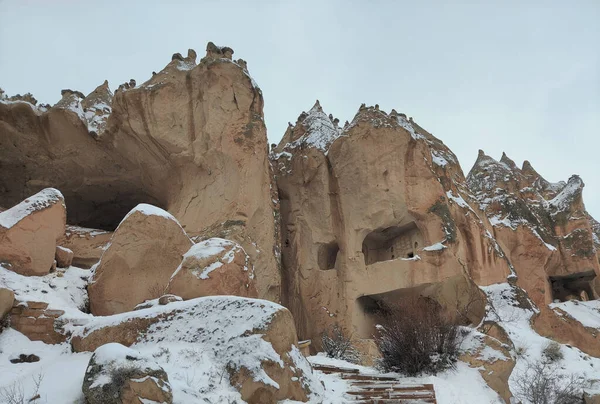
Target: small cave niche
x: 572, y: 287
x: 391, y: 243
x: 327, y: 255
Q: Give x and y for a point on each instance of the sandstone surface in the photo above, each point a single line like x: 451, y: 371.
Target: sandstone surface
x: 29, y: 233
x: 143, y: 252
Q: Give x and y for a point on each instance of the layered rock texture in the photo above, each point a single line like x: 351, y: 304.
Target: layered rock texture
x: 380, y: 209
x: 191, y: 140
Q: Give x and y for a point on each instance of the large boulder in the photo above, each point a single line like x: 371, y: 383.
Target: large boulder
x: 214, y: 267
x: 29, y: 233
x: 143, y: 253
x: 120, y: 375
x: 252, y: 342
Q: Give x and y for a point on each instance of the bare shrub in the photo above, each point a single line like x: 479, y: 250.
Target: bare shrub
x: 418, y: 336
x: 539, y: 383
x: 338, y: 344
x: 552, y: 352
x: 15, y: 393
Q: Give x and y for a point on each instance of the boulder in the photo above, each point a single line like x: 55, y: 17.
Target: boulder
x: 143, y: 252
x: 87, y: 244
x: 30, y: 231
x: 7, y: 299
x: 214, y: 267
x: 64, y: 257
x: 120, y: 375
x: 253, y: 341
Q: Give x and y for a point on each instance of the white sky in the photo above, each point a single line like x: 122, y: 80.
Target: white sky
x: 513, y: 77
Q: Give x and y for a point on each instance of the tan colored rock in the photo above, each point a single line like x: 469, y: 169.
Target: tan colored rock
x: 144, y: 251
x: 495, y: 369
x: 191, y: 140
x: 87, y: 244
x: 202, y: 324
x: 7, y: 299
x: 371, y: 213
x: 214, y: 267
x: 29, y: 233
x: 120, y: 375
x: 64, y: 257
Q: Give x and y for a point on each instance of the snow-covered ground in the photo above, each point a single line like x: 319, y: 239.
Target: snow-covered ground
x: 195, y: 367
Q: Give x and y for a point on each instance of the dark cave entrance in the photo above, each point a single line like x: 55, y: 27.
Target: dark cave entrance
x: 576, y: 286
x: 327, y: 255
x: 102, y: 208
x: 391, y: 243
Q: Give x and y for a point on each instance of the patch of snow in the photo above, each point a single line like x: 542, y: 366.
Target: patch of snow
x: 437, y: 159
x: 320, y: 131
x: 458, y: 199
x: 42, y: 200
x: 435, y: 247
x: 587, y: 313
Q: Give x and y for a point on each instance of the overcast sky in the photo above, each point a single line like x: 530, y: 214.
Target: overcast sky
x: 513, y: 77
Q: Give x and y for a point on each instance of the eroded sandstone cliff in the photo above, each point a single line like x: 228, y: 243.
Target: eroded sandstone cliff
x: 191, y: 140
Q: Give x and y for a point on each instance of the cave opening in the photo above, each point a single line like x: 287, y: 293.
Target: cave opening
x: 327, y: 255
x: 573, y: 287
x: 104, y: 208
x: 391, y: 243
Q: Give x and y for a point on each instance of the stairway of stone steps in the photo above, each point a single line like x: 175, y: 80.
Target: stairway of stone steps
x: 374, y: 389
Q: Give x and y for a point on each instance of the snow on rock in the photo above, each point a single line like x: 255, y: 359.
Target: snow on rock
x: 565, y: 198
x: 513, y: 311
x: 42, y: 200
x: 587, y: 313
x: 149, y: 210
x: 62, y: 290
x: 435, y: 247
x: 116, y: 372
x: 320, y: 130
x: 207, y: 249
x: 232, y: 333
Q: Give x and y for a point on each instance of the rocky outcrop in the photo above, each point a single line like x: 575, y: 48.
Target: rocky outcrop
x: 191, y: 140
x: 29, y: 233
x: 120, y: 375
x: 549, y: 237
x: 144, y: 251
x: 371, y: 213
x: 36, y: 321
x: 254, y: 344
x: 214, y: 267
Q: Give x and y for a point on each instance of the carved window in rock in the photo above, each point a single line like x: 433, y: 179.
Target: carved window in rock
x: 391, y: 243
x: 327, y: 255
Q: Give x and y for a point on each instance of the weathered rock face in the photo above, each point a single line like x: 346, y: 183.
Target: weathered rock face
x: 120, y: 375
x: 255, y: 344
x: 214, y: 267
x: 549, y: 237
x: 144, y: 251
x: 29, y: 233
x: 371, y: 213
x: 87, y: 244
x: 191, y: 140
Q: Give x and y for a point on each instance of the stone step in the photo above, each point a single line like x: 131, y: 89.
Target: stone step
x: 334, y: 369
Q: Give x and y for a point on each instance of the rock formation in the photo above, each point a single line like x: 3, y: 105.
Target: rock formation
x: 191, y: 140
x: 144, y: 251
x: 29, y: 233
x: 120, y: 375
x: 214, y: 267
x: 355, y: 237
